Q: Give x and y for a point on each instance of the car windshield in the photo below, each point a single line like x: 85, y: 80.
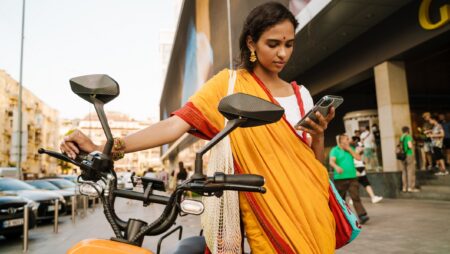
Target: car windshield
x: 9, y: 184
x: 43, y: 185
x: 62, y: 183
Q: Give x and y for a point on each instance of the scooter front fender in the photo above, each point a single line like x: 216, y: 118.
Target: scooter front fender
x: 102, y: 246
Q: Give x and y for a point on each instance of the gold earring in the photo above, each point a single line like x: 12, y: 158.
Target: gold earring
x: 252, y: 56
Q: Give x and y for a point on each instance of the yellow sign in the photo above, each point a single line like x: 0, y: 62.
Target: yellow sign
x: 424, y: 15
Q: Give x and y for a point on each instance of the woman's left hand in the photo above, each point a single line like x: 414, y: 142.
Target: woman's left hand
x: 317, y: 129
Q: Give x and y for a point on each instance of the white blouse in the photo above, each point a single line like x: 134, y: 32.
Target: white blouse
x: 292, y: 109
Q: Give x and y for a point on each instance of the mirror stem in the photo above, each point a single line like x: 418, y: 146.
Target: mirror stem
x: 103, y: 120
x: 231, y: 125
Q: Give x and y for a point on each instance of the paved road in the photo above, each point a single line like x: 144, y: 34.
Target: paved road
x: 395, y: 226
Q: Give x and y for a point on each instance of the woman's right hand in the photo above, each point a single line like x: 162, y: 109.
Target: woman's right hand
x: 76, y: 141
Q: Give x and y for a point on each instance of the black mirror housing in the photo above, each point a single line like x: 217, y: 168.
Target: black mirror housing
x: 256, y: 110
x: 100, y: 86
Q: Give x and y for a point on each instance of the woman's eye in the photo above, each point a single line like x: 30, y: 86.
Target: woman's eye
x: 273, y: 45
x: 289, y: 45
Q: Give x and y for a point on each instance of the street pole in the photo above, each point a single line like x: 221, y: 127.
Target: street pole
x: 26, y: 217
x: 19, y: 110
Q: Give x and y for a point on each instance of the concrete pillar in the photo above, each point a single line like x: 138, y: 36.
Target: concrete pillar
x: 393, y: 108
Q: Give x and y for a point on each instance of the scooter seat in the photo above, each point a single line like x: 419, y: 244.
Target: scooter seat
x: 191, y: 245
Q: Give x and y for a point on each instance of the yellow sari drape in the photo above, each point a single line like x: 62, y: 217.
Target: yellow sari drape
x: 294, y: 215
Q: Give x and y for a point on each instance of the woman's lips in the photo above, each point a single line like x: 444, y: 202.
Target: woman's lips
x: 280, y: 63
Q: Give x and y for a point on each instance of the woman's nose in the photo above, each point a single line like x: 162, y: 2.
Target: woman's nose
x: 281, y: 52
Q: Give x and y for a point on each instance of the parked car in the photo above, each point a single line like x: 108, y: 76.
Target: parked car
x: 45, y: 199
x: 9, y: 172
x: 47, y: 184
x: 11, y: 215
x: 72, y: 178
x: 62, y: 184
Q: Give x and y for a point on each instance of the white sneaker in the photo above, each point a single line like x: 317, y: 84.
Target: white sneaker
x: 441, y: 173
x: 376, y: 199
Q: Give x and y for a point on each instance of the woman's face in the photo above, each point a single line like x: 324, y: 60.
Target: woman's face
x: 274, y: 47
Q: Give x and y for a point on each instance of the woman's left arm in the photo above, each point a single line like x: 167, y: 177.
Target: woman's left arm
x: 317, y: 131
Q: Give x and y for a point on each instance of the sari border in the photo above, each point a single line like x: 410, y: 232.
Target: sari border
x: 201, y: 126
x: 272, y: 99
x: 276, y: 240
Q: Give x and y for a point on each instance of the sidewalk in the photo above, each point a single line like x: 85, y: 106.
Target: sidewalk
x: 399, y: 226
x: 396, y: 226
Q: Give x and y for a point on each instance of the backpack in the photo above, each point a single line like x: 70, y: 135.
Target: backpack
x: 400, y: 150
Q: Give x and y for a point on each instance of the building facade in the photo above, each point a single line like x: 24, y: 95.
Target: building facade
x: 39, y: 125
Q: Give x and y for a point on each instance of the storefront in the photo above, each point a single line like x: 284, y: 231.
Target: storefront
x: 397, y: 64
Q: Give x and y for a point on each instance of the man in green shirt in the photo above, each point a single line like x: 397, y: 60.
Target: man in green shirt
x: 409, y: 169
x: 345, y: 179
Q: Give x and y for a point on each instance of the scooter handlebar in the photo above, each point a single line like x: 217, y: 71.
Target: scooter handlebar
x: 243, y: 179
x: 59, y: 156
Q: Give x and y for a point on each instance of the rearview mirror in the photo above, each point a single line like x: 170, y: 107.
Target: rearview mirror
x: 256, y: 110
x: 242, y: 110
x: 99, y: 86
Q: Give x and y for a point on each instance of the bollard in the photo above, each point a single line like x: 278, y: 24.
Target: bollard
x: 25, y: 228
x: 93, y: 204
x: 74, y: 207
x: 85, y: 205
x: 55, y: 225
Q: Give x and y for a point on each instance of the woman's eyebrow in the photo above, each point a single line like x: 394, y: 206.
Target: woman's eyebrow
x: 277, y: 40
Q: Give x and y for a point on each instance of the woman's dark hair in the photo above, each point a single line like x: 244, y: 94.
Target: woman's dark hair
x: 259, y: 20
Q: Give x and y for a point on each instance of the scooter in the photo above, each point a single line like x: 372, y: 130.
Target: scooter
x: 99, y: 179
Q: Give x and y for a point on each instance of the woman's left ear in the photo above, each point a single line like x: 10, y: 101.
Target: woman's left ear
x: 250, y: 43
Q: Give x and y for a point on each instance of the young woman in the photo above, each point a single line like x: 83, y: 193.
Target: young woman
x: 294, y: 215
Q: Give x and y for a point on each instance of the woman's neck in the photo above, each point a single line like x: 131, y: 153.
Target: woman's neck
x: 276, y: 86
x: 267, y: 77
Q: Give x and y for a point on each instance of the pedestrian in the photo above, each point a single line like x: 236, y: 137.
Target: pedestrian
x: 345, y: 179
x: 182, y: 173
x: 368, y: 140
x: 408, y: 164
x: 150, y: 173
x: 377, y: 139
x: 164, y: 176
x: 361, y: 171
x: 446, y: 125
x: 427, y: 146
x: 436, y: 134
x: 294, y: 216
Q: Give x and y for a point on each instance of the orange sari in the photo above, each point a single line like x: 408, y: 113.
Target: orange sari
x: 294, y: 215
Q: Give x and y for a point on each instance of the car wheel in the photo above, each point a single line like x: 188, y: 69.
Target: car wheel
x: 14, y: 235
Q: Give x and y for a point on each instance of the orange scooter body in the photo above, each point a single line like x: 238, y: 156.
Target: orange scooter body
x: 102, y: 246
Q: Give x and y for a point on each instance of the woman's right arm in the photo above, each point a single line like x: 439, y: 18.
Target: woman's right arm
x: 158, y: 134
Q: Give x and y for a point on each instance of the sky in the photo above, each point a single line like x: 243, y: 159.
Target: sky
x: 69, y: 38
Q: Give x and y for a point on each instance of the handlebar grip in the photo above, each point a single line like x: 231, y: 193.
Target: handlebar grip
x: 59, y: 156
x: 214, y: 187
x: 237, y: 187
x: 243, y: 179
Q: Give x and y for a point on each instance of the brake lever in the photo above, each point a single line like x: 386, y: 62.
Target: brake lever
x: 59, y: 156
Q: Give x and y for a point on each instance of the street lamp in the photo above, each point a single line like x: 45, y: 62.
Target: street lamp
x: 19, y: 157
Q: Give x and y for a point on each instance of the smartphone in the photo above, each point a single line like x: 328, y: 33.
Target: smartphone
x: 323, y: 106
